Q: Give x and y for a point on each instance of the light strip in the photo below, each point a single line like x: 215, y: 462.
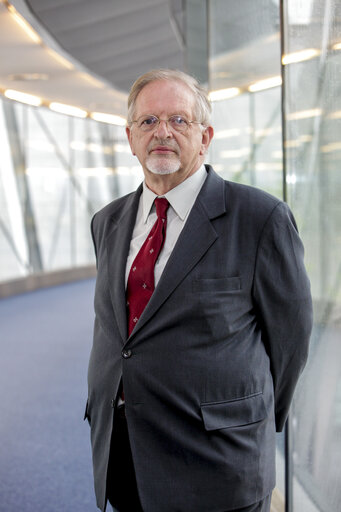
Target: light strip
x: 224, y: 94
x: 59, y: 58
x: 300, y: 56
x: 108, y: 118
x: 332, y: 146
x: 335, y: 115
x: 225, y: 134
x: 29, y: 99
x: 24, y: 24
x: 268, y: 83
x: 92, y: 80
x: 235, y: 153
x: 304, y: 114
x: 337, y: 46
x: 67, y: 109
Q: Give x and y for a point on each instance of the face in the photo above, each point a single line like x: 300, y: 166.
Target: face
x: 164, y: 151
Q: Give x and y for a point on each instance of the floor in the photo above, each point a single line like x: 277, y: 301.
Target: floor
x: 45, y: 459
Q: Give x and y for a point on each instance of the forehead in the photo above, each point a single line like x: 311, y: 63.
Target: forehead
x: 165, y: 97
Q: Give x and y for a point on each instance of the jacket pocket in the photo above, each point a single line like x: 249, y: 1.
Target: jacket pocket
x: 233, y: 413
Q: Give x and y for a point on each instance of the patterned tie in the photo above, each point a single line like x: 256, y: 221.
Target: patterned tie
x: 140, y: 284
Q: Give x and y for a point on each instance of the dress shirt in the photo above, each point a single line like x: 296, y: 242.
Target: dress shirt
x: 181, y: 200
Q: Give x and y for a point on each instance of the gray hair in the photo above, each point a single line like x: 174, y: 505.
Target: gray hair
x: 202, y: 104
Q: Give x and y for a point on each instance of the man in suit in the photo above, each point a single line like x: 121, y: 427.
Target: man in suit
x: 203, y: 316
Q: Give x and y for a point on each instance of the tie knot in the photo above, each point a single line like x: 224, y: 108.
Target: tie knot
x: 161, y: 205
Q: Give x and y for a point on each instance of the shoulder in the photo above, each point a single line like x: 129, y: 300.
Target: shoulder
x: 251, y: 208
x: 113, y: 211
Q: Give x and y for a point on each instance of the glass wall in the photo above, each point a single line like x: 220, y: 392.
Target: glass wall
x: 56, y: 171
x: 312, y: 90
x: 245, y: 49
x: 301, y: 165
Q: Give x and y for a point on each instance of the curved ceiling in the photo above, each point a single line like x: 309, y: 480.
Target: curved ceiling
x: 117, y: 40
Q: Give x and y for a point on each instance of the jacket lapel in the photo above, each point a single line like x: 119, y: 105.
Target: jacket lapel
x: 118, y: 243
x: 195, y: 239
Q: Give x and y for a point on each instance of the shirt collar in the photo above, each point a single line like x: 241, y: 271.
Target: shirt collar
x: 181, y: 198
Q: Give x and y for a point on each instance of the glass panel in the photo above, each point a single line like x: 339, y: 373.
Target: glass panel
x: 244, y: 44
x: 313, y: 156
x: 245, y: 49
x: 55, y: 172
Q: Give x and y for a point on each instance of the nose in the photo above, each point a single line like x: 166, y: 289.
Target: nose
x: 162, y: 131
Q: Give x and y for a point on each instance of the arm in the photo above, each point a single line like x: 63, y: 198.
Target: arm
x: 284, y: 306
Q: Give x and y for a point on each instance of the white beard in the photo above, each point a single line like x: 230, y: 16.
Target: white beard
x: 161, y: 165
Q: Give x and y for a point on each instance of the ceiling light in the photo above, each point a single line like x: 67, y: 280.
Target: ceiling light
x: 332, y: 146
x: 337, y: 46
x: 225, y: 134
x: 92, y: 80
x: 300, y: 56
x: 335, y: 115
x: 29, y: 99
x: 235, y: 153
x: 306, y: 138
x: 67, y: 109
x: 28, y: 77
x: 59, y: 58
x: 224, y: 94
x: 24, y: 24
x: 108, y: 118
x: 269, y: 166
x: 277, y: 154
x: 295, y: 143
x: 304, y: 114
x: 261, y: 85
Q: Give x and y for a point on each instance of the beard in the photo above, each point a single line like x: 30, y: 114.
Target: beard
x: 163, y: 164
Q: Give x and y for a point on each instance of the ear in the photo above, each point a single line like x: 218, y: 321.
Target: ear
x: 130, y: 139
x: 207, y: 136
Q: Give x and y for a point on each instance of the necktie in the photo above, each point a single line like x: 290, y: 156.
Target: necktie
x: 140, y: 284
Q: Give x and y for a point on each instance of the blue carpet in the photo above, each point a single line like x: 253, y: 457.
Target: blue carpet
x: 45, y: 459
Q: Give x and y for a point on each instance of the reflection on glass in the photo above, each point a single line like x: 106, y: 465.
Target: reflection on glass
x: 55, y: 172
x: 247, y: 146
x: 313, y: 156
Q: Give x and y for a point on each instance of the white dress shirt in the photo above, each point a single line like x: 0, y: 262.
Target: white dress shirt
x: 181, y: 200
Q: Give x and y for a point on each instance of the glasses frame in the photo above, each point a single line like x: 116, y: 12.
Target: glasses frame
x: 152, y: 128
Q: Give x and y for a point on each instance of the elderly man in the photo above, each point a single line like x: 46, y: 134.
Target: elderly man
x: 203, y: 316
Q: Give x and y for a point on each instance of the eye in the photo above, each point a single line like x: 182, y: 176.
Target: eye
x: 178, y: 121
x: 148, y: 121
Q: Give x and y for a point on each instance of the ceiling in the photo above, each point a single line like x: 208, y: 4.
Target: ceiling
x: 119, y: 39
x: 107, y: 44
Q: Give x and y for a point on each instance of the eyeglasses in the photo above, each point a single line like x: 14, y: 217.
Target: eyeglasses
x: 176, y: 122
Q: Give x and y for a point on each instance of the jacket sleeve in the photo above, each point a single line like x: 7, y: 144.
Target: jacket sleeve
x: 284, y: 306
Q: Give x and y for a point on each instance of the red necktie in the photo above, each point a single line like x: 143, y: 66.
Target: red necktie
x: 140, y: 284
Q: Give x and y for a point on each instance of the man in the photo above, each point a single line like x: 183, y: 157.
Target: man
x: 203, y: 316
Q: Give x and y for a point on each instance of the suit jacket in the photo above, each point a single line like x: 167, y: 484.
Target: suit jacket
x: 210, y: 368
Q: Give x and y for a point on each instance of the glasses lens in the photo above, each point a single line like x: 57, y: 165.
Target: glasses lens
x: 178, y: 123
x: 147, y: 123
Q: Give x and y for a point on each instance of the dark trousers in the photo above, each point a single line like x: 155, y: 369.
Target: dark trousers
x: 121, y: 482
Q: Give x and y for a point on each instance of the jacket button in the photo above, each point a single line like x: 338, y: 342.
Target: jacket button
x: 113, y: 402
x: 126, y: 354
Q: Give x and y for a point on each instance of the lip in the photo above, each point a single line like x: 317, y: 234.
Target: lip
x: 162, y: 149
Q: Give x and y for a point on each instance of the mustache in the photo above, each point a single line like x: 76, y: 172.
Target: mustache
x: 165, y: 143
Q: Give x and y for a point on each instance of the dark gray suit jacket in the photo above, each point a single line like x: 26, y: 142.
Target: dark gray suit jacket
x: 210, y: 368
